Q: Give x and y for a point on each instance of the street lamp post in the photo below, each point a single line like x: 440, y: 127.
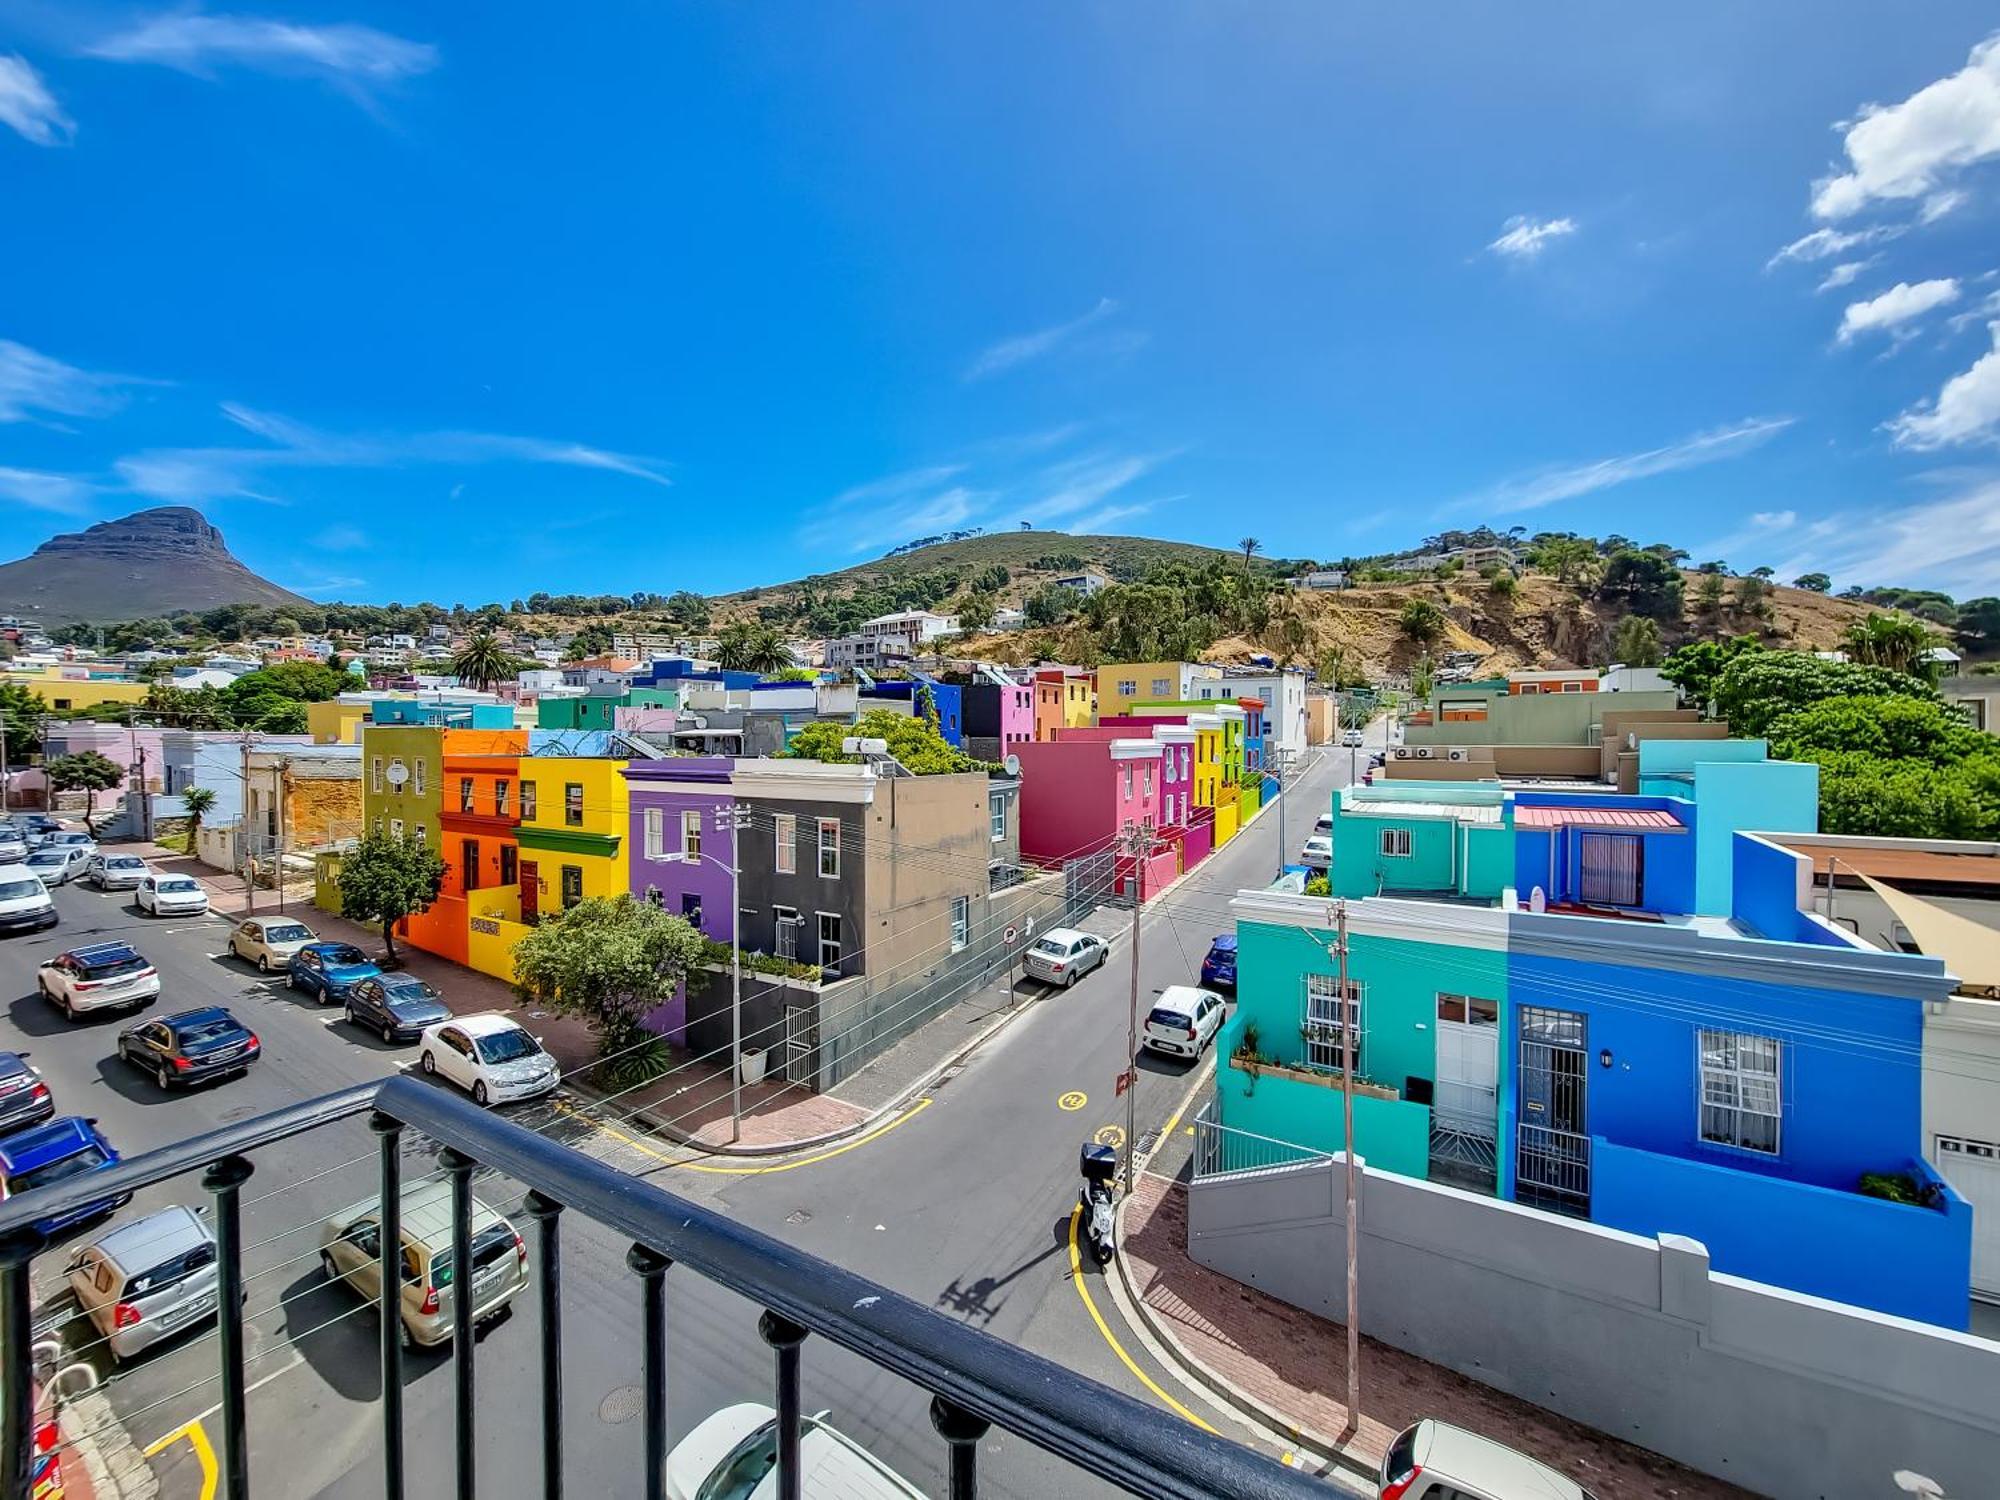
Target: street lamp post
x: 734, y: 820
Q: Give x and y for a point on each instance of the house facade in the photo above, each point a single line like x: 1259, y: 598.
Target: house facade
x: 682, y: 838
x: 574, y: 831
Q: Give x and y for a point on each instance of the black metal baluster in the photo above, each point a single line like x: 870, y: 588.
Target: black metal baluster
x: 652, y: 1269
x: 785, y: 1336
x: 460, y: 1167
x: 17, y: 1358
x: 545, y: 1212
x: 962, y: 1430
x: 225, y: 1179
x: 389, y: 1133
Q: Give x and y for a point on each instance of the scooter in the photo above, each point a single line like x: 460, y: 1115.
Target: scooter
x: 1100, y: 1170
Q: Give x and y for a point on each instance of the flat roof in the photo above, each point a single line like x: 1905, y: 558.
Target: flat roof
x: 1462, y: 811
x: 1639, y: 819
x: 1978, y: 872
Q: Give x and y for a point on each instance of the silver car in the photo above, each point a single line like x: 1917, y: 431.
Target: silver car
x: 1063, y: 955
x: 116, y: 872
x: 57, y: 864
x: 351, y: 1251
x: 147, y: 1281
x: 13, y: 846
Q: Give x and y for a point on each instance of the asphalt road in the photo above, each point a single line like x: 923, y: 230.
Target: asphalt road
x: 963, y: 1202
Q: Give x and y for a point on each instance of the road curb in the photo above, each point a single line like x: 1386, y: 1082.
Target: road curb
x: 112, y: 1462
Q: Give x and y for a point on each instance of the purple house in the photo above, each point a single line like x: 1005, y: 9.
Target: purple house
x: 682, y: 806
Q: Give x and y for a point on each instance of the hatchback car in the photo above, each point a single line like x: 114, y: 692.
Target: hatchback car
x: 1064, y: 955
x: 115, y: 872
x: 269, y: 944
x: 189, y: 1047
x: 1218, y: 967
x: 351, y: 1252
x: 733, y: 1455
x: 1350, y: 739
x: 397, y: 1007
x: 171, y: 896
x: 490, y: 1057
x: 327, y: 971
x: 57, y: 864
x: 1182, y: 1021
x: 1434, y: 1460
x: 72, y: 838
x: 1317, y: 854
x: 56, y: 1152
x: 144, y: 1282
x: 38, y: 828
x: 24, y: 901
x: 103, y: 976
x: 24, y: 1098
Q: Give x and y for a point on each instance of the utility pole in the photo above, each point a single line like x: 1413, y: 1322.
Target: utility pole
x: 243, y: 834
x: 284, y: 786
x: 736, y: 818
x: 1138, y: 842
x: 1349, y: 1015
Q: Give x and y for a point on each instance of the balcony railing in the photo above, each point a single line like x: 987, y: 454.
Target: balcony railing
x: 976, y: 1381
x: 1220, y: 1151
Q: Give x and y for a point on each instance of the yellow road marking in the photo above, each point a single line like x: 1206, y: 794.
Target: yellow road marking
x: 1076, y: 1278
x: 1073, y: 1101
x: 197, y: 1438
x: 638, y: 1145
x: 1110, y: 1135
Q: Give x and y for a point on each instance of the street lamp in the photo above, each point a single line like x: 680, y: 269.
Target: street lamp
x: 734, y: 820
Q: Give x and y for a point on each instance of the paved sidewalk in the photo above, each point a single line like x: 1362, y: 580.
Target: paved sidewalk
x: 1284, y: 1364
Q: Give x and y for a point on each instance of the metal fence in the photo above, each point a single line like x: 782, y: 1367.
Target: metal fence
x: 1220, y: 1151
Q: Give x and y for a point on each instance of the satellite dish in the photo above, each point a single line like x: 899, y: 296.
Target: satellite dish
x: 1012, y: 764
x: 398, y: 773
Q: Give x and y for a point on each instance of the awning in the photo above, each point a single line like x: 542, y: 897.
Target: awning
x: 1970, y: 951
x: 1624, y: 819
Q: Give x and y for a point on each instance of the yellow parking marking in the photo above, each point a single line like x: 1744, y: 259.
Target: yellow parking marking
x: 641, y: 1146
x: 1073, y: 1101
x: 197, y: 1439
x: 1110, y: 1135
x: 1083, y: 1291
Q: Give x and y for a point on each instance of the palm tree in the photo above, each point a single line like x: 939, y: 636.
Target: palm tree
x: 1422, y: 621
x: 752, y: 646
x: 1893, y: 641
x: 482, y: 662
x: 1249, y: 544
x: 198, y: 800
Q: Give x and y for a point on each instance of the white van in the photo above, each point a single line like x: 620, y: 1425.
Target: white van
x: 24, y: 901
x: 1436, y: 1461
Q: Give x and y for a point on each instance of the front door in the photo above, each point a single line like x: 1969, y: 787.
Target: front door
x: 468, y: 863
x: 1465, y: 1106
x: 1552, y: 1148
x: 531, y: 893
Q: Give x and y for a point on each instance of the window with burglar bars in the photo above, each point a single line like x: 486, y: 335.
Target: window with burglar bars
x: 1741, y: 1091
x: 1324, y: 1022
x: 1395, y: 843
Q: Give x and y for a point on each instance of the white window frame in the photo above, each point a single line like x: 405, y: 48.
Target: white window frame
x: 423, y: 834
x: 656, y: 833
x: 468, y: 794
x: 691, y: 832
x: 569, y: 788
x: 1146, y: 781
x: 1395, y: 843
x: 826, y: 848
x: 1128, y: 782
x: 1161, y: 687
x: 1318, y: 1014
x: 395, y: 828
x: 839, y: 948
x: 1127, y: 688
x: 417, y: 776
x: 785, y: 846
x: 961, y: 922
x: 1738, y: 1099
x: 375, y: 773
x: 996, y: 815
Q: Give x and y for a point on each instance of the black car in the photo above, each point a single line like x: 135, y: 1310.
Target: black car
x: 189, y: 1047
x: 24, y: 1099
x: 396, y: 1006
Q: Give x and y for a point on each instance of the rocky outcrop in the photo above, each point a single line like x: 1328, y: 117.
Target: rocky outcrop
x: 151, y: 563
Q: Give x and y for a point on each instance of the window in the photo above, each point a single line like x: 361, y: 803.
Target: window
x: 785, y: 845
x: 1572, y: 687
x: 1128, y: 783
x: 468, y: 862
x: 417, y: 777
x: 829, y: 848
x: 1325, y: 1037
x: 1161, y: 687
x: 421, y: 834
x: 691, y: 833
x: 465, y: 794
x: 1741, y: 1099
x: 1395, y: 843
x: 1127, y: 688
x: 500, y: 799
x: 572, y: 885
x: 691, y: 908
x: 996, y: 815
x: 509, y: 867
x: 1146, y: 781
x: 573, y: 804
x: 656, y: 835
x: 785, y: 922
x: 395, y: 828
x: 961, y: 922
x: 375, y: 773
x: 829, y: 940
x: 527, y: 802
x: 1468, y: 1010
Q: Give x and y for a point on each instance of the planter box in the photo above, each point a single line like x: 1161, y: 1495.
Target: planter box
x: 1315, y: 1076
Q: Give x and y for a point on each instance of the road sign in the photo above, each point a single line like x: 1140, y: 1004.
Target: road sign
x: 1010, y: 934
x: 1125, y: 1081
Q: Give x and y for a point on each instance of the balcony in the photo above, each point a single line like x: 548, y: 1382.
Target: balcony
x: 796, y: 1304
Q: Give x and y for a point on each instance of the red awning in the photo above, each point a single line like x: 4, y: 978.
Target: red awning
x: 1628, y: 819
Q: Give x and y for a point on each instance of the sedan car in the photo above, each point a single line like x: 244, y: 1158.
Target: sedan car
x: 102, y: 976
x: 172, y: 896
x: 24, y: 1099
x: 270, y: 944
x: 1350, y: 739
x: 1182, y: 1021
x: 57, y: 864
x: 56, y: 1152
x: 13, y: 846
x: 1218, y: 968
x: 733, y: 1455
x: 39, y: 828
x: 398, y: 1007
x: 116, y: 872
x: 71, y: 838
x: 190, y: 1046
x: 1317, y: 854
x: 327, y: 971
x: 351, y: 1251
x: 1063, y: 955
x: 490, y: 1057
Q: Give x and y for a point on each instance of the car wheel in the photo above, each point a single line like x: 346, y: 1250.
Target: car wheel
x: 326, y: 1264
x: 428, y: 1063
x: 348, y: 1011
x: 292, y: 980
x: 68, y: 1010
x: 479, y: 1094
x: 388, y: 1033
x: 263, y: 963
x: 1069, y: 979
x: 164, y: 1077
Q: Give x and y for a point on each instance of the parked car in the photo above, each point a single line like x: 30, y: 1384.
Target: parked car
x: 1218, y: 968
x: 326, y: 971
x: 52, y: 1153
x: 1317, y: 854
x: 13, y: 845
x: 1063, y: 955
x: 24, y: 901
x: 190, y: 1046
x: 73, y: 838
x: 733, y: 1455
x: 24, y: 1098
x: 399, y: 1007
x: 270, y: 944
x: 115, y: 872
x: 1182, y: 1021
x: 172, y: 896
x: 57, y: 864
x: 490, y: 1057
x: 351, y: 1252
x: 1323, y: 826
x: 1350, y: 739
x: 39, y: 828
x: 102, y: 976
x: 1434, y: 1458
x: 145, y: 1281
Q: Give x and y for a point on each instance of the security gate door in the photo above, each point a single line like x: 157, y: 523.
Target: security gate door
x: 802, y: 1044
x: 1466, y: 1102
x: 1552, y: 1151
x: 1611, y: 864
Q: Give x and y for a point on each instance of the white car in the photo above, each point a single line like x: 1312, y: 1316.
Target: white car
x: 1063, y: 955
x: 1182, y: 1021
x: 733, y: 1455
x: 172, y: 895
x: 1317, y: 854
x: 57, y: 864
x: 116, y: 872
x: 24, y: 901
x: 69, y: 838
x: 101, y: 976
x: 1351, y: 740
x: 269, y: 943
x: 489, y: 1056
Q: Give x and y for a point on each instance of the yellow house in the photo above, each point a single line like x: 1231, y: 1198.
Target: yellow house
x: 1079, y: 702
x: 1122, y: 684
x: 1210, y: 788
x: 70, y: 687
x: 575, y: 832
x: 334, y: 722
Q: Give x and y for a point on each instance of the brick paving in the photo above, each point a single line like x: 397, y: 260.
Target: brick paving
x: 1291, y: 1363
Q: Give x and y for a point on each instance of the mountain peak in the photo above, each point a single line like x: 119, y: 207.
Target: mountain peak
x: 165, y: 530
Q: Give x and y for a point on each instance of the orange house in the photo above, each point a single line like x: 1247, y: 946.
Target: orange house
x: 1527, y: 684
x: 478, y: 813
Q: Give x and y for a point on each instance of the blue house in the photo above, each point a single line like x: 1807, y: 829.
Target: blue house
x: 947, y: 696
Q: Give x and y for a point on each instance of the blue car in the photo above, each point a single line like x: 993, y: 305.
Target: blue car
x: 327, y: 971
x: 1218, y: 970
x: 396, y: 1007
x: 56, y: 1152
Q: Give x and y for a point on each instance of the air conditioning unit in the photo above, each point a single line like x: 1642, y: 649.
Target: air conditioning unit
x: 1401, y: 752
x: 1422, y: 752
x: 1454, y: 754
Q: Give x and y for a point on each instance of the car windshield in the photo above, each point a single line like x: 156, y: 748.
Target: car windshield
x: 178, y: 887
x: 1053, y: 948
x: 738, y: 1475
x: 507, y: 1046
x: 14, y: 890
x: 87, y: 1160
x: 346, y: 953
x: 194, y: 1033
x: 287, y: 933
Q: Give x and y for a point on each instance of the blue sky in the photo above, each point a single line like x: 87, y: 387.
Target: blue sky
x: 459, y: 302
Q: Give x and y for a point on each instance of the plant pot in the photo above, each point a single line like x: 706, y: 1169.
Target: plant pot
x: 753, y: 1065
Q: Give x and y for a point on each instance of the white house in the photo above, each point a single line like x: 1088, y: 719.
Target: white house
x: 1284, y: 697
x: 1085, y: 584
x: 912, y: 627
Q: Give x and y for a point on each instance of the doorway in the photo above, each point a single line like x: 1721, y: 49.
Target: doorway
x: 1465, y: 1104
x: 1552, y: 1148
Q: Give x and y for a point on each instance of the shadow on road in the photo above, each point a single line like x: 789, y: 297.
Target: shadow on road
x: 974, y: 1300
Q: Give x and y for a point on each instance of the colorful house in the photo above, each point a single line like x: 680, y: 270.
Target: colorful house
x: 922, y: 693
x: 1064, y: 699
x: 1121, y: 685
x: 574, y: 831
x: 596, y: 708
x: 479, y: 817
x: 681, y: 838
x: 1080, y: 791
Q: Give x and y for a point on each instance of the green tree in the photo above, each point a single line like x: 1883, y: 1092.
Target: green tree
x: 750, y: 646
x: 1423, y: 677
x: 483, y: 662
x: 1814, y: 583
x: 1697, y: 667
x: 1248, y: 546
x: 384, y: 879
x: 1977, y: 624
x: 593, y: 639
x: 1759, y: 688
x: 1503, y: 585
x: 1567, y: 557
x: 21, y: 711
x: 915, y: 742
x: 1636, y: 642
x: 1050, y: 605
x: 689, y: 608
x: 1709, y: 594
x: 199, y: 801
x: 1421, y: 621
x: 1892, y: 641
x: 1644, y: 582
x: 975, y: 611
x: 87, y: 772
x: 1887, y: 728
x: 609, y: 960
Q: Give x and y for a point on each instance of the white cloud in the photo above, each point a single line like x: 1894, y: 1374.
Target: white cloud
x: 1024, y: 347
x: 1523, y: 238
x: 352, y: 55
x: 1967, y: 409
x: 1844, y: 273
x: 1110, y: 515
x: 1824, y: 244
x: 32, y: 382
x: 1081, y: 484
x: 1939, y: 204
x: 1902, y: 151
x: 1548, y: 486
x: 28, y: 107
x: 331, y: 584
x: 1951, y: 542
x: 1899, y: 305
x: 64, y: 493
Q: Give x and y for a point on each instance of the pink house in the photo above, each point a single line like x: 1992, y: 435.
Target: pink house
x: 1080, y: 791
